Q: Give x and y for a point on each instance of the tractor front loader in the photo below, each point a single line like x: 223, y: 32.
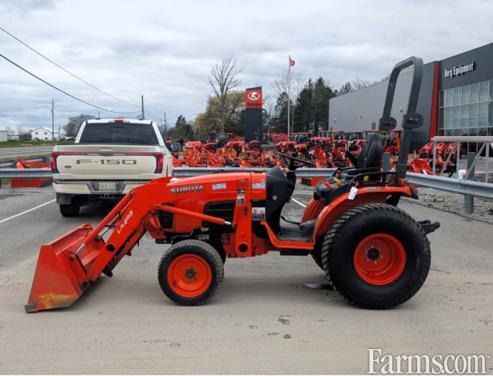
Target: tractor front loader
x: 374, y: 253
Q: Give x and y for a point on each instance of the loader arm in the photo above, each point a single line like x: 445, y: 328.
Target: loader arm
x: 67, y: 266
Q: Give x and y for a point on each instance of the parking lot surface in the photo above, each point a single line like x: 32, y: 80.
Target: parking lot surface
x: 273, y: 314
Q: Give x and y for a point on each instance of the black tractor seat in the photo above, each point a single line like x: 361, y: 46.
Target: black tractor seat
x: 371, y: 155
x: 323, y: 192
x: 369, y: 161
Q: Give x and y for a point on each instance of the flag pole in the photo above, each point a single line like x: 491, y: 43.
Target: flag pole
x: 289, y: 97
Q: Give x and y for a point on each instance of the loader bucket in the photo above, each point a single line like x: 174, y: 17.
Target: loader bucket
x: 60, y: 277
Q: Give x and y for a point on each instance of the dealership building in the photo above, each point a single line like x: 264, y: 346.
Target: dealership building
x: 455, y: 99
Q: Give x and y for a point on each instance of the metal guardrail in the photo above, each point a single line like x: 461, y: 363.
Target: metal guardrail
x: 453, y: 185
x: 8, y: 173
x: 301, y: 172
x: 465, y: 139
x: 184, y: 172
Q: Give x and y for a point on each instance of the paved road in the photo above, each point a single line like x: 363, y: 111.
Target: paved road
x: 27, y: 150
x: 272, y: 315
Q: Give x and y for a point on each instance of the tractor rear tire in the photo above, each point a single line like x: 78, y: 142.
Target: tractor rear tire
x: 317, y: 256
x: 376, y: 256
x: 190, y: 272
x: 70, y: 210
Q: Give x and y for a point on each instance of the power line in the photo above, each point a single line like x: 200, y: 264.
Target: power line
x: 60, y: 90
x: 150, y: 114
x: 64, y: 69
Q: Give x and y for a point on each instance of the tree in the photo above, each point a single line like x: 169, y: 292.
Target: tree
x: 182, y: 130
x: 322, y: 93
x: 304, y: 112
x: 279, y: 119
x: 346, y: 88
x: 358, y: 83
x: 312, y: 106
x: 280, y: 85
x: 209, y: 123
x: 74, y: 123
x: 223, y: 80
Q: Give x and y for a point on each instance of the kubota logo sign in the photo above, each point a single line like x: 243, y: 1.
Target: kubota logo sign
x: 253, y: 95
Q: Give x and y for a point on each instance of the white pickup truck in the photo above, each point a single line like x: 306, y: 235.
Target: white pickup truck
x: 108, y: 159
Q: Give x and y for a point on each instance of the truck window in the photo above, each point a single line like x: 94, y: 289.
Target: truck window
x: 118, y: 133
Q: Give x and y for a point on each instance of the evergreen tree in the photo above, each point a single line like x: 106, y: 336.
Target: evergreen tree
x: 182, y: 130
x: 321, y: 97
x: 303, y: 113
x: 279, y: 121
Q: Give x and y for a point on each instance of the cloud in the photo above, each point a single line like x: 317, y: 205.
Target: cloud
x: 165, y: 49
x: 25, y: 7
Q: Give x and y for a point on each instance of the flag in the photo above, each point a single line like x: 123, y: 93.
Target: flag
x: 291, y: 62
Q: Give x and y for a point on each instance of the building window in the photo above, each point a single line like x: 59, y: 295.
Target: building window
x: 467, y: 110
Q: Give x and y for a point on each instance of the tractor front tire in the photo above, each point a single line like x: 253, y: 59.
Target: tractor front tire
x: 190, y: 272
x: 376, y: 256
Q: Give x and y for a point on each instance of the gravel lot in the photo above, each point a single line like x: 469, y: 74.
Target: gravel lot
x: 483, y: 209
x: 273, y: 314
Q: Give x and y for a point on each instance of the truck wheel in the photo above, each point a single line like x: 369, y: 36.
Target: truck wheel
x: 70, y: 210
x: 376, y: 256
x: 190, y: 272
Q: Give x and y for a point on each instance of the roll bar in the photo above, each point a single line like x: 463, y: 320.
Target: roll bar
x: 410, y: 120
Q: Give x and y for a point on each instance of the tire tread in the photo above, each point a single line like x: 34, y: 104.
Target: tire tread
x: 328, y: 254
x: 217, y: 267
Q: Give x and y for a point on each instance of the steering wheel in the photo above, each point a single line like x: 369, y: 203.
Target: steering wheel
x: 291, y: 173
x: 292, y: 160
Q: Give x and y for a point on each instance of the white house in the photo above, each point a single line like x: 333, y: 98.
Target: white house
x: 3, y: 136
x: 42, y: 134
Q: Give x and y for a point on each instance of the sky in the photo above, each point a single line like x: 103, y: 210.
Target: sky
x: 165, y: 49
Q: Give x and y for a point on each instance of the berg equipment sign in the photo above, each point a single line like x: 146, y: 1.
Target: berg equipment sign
x: 459, y: 70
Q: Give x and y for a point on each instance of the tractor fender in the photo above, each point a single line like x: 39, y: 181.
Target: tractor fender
x: 365, y: 195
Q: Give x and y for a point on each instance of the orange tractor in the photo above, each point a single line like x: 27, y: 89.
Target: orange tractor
x: 374, y: 253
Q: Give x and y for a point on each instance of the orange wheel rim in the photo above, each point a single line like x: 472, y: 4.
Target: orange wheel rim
x: 189, y: 275
x: 379, y: 259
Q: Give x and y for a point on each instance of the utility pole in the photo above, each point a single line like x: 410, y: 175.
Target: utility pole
x: 142, y: 106
x: 291, y: 63
x: 165, y: 124
x: 59, y: 132
x: 53, y: 120
x: 289, y: 97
